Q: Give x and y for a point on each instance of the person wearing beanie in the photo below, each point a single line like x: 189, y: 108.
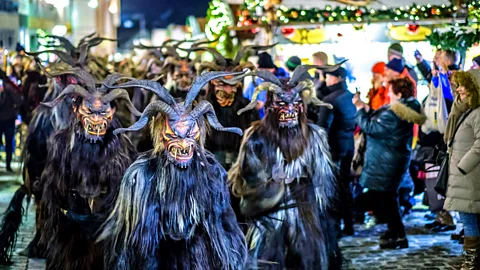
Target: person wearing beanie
x: 395, y: 51
x: 378, y: 94
x: 396, y: 69
x: 339, y: 123
x: 292, y: 63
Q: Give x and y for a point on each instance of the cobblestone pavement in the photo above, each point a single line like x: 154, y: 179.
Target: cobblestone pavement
x: 427, y: 251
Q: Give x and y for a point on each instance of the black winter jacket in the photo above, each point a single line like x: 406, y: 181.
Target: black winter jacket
x: 10, y: 101
x: 389, y: 133
x: 339, y: 122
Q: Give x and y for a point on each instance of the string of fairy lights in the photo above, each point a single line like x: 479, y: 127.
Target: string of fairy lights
x: 254, y: 12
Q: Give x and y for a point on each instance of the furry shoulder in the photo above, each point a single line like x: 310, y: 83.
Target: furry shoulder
x: 408, y: 114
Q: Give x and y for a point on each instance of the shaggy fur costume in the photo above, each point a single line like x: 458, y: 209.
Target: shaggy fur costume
x: 174, y: 212
x: 221, y: 143
x: 78, y: 171
x: 284, y: 178
x: 167, y: 218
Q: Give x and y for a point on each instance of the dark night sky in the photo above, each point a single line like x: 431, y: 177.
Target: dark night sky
x: 161, y: 13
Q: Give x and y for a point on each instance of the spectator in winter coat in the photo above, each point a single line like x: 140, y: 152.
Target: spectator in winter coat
x: 320, y: 59
x: 10, y: 102
x: 389, y: 133
x: 395, y: 51
x: 463, y: 193
x: 339, y: 123
x: 378, y: 95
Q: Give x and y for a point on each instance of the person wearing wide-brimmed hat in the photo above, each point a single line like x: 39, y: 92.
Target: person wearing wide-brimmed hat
x: 463, y: 193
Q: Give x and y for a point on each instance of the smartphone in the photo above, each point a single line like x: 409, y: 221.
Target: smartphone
x: 417, y: 54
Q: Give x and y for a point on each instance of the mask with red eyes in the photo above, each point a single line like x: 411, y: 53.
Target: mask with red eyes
x: 287, y: 111
x: 180, y: 139
x: 95, y: 117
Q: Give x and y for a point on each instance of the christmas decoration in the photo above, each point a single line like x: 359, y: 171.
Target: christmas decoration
x: 219, y: 18
x: 307, y: 36
x: 284, y: 15
x: 454, y: 38
x: 410, y: 32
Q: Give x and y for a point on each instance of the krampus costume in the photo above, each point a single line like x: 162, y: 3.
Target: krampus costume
x: 82, y: 176
x: 284, y: 178
x: 226, y: 96
x: 173, y: 210
x: 45, y: 122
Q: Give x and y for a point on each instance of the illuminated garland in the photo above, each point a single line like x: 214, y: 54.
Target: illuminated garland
x: 454, y: 38
x: 254, y: 12
x: 219, y: 18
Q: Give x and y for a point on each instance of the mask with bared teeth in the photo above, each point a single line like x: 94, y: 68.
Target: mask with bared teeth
x: 93, y: 103
x: 179, y: 128
x: 288, y: 95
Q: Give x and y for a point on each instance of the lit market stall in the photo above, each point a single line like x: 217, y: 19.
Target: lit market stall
x: 360, y: 31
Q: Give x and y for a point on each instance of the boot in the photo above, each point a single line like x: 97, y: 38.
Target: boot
x: 471, y: 253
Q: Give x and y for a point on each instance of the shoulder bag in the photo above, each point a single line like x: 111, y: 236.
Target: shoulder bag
x: 442, y: 180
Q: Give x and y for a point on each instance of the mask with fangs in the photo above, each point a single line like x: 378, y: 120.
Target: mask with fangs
x: 287, y: 97
x: 179, y: 127
x: 93, y: 103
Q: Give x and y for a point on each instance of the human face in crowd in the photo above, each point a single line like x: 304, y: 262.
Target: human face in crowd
x: 318, y: 62
x: 462, y: 92
x: 377, y: 78
x: 331, y: 80
x: 390, y: 74
x: 393, y: 97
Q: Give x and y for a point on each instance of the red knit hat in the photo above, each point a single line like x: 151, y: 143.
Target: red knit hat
x: 379, y: 68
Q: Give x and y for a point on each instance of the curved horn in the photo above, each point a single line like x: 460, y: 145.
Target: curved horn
x: 204, y: 107
x: 216, y: 55
x: 266, y: 75
x: 211, y: 65
x: 65, y: 57
x: 115, y: 77
x: 251, y: 48
x: 85, y: 38
x: 203, y: 79
x: 171, y: 51
x: 300, y: 70
x: 70, y: 89
x: 198, y: 43
x: 152, y: 109
x: 155, y: 87
x: 97, y: 40
x: 263, y: 86
x: 83, y: 53
x: 65, y: 42
x: 121, y: 94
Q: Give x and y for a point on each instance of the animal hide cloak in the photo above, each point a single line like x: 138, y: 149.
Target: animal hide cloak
x: 81, y: 182
x: 171, y: 218
x: 289, y: 202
